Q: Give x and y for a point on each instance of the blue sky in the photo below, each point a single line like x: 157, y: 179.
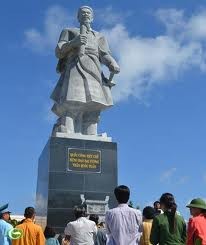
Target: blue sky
x: 159, y: 119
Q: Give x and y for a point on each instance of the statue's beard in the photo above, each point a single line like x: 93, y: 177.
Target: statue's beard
x: 87, y: 23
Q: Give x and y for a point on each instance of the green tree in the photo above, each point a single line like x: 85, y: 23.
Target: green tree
x: 130, y: 204
x: 138, y: 206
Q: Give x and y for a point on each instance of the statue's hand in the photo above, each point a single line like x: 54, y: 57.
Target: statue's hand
x: 79, y: 41
x: 114, y: 68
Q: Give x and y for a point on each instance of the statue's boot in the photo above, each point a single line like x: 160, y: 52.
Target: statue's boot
x: 89, y: 122
x: 64, y: 124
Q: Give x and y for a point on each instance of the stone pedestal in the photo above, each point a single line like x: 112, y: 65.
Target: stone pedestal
x: 70, y: 169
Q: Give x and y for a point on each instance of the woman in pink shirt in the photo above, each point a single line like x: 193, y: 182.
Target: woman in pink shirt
x: 196, y: 233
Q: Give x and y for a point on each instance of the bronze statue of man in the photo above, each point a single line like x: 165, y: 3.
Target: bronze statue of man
x: 82, y: 91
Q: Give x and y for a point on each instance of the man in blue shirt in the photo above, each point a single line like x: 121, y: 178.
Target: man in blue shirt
x: 4, y: 225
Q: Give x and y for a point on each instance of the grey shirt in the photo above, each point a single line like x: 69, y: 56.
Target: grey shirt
x: 100, y: 238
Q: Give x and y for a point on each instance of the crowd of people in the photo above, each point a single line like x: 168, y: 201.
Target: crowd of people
x: 124, y: 225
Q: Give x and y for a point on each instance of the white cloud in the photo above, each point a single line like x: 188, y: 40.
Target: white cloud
x: 173, y: 20
x: 167, y: 174
x: 171, y: 176
x: 149, y: 62
x: 196, y: 26
x: 145, y: 62
x: 177, y: 24
x: 110, y: 17
x: 56, y: 18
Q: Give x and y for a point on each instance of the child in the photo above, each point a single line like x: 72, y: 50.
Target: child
x: 148, y: 216
x: 49, y: 234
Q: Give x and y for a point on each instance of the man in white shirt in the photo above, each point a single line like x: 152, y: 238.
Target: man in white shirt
x: 124, y: 224
x: 81, y: 231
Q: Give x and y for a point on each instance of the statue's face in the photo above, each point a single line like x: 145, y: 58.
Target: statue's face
x: 85, y: 15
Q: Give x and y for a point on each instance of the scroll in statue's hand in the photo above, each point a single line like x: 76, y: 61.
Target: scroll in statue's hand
x: 114, y: 68
x: 79, y: 41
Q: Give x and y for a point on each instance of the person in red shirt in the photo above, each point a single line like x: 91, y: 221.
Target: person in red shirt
x: 196, y: 232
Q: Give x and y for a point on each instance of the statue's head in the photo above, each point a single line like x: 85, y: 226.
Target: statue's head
x: 85, y: 15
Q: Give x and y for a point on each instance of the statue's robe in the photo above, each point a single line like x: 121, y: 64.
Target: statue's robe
x: 81, y: 87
